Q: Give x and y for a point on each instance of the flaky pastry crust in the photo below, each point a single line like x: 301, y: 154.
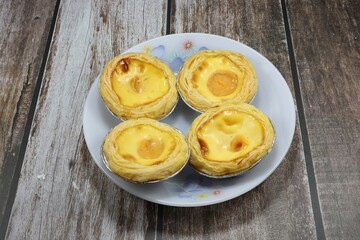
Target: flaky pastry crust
x: 133, y: 171
x: 228, y: 167
x: 155, y: 108
x: 193, y: 97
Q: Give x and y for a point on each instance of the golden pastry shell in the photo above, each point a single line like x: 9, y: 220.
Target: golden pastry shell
x: 238, y: 166
x: 155, y: 110
x: 135, y: 172
x: 200, y: 103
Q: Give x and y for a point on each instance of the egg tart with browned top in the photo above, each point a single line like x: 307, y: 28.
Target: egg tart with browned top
x: 137, y: 85
x: 229, y: 140
x: 145, y: 150
x: 211, y: 78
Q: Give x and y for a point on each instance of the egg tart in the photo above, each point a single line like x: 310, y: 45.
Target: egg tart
x: 229, y: 140
x: 145, y: 150
x: 137, y: 85
x: 212, y: 78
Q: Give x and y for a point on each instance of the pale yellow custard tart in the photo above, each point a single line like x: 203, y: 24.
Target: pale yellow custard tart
x: 145, y: 150
x: 212, y: 78
x: 229, y: 140
x: 137, y: 85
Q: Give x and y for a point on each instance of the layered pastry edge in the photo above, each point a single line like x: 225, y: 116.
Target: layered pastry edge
x: 148, y: 147
x: 227, y: 167
x: 220, y: 76
x: 156, y: 107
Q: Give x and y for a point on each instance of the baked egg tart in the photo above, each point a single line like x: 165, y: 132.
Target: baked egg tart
x: 145, y: 150
x: 211, y: 78
x: 229, y: 140
x: 137, y: 85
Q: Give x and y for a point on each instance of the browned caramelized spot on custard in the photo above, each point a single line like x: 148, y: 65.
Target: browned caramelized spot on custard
x: 135, y: 84
x: 150, y: 148
x: 141, y: 68
x: 124, y: 65
x: 203, y: 65
x: 128, y: 157
x: 222, y: 83
x: 203, y: 147
x: 237, y: 144
x: 194, y: 80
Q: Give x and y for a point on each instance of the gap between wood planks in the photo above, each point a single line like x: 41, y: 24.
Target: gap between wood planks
x: 303, y: 129
x: 15, y: 180
x: 159, y: 227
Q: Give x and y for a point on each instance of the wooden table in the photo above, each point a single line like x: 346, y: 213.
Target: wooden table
x: 51, y: 52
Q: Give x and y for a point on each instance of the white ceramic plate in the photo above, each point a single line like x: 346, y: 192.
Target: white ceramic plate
x: 188, y: 188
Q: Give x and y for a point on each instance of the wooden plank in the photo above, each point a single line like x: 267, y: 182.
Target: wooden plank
x: 280, y: 208
x: 327, y: 49
x: 61, y: 192
x: 24, y: 27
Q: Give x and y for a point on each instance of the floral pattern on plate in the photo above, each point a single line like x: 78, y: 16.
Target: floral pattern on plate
x: 175, y: 58
x: 196, y: 186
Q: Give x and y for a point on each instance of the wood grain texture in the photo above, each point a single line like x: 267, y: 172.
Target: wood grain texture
x: 327, y: 50
x: 61, y: 192
x: 280, y: 208
x: 24, y: 27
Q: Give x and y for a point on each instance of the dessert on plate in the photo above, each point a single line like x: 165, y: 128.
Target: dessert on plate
x: 145, y: 150
x: 137, y: 85
x: 228, y: 140
x: 211, y: 78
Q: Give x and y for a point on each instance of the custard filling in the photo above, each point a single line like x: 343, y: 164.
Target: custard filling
x: 217, y: 78
x: 145, y: 145
x: 138, y: 83
x: 229, y: 135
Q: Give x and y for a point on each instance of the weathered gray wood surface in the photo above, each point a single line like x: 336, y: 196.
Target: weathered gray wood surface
x: 280, y: 208
x: 61, y: 193
x: 24, y: 28
x: 327, y: 48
